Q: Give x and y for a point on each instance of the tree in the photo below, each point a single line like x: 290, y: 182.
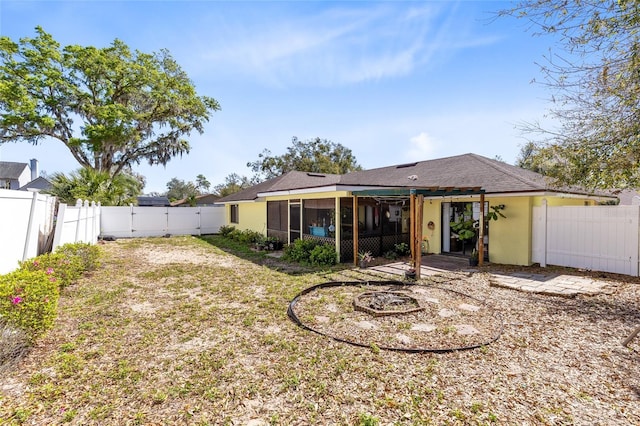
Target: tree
x: 92, y: 185
x: 202, y: 184
x: 178, y: 189
x: 232, y: 184
x: 111, y: 107
x: 316, y: 155
x: 595, y: 90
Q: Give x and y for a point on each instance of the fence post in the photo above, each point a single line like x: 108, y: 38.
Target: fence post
x: 32, y: 218
x: 87, y: 238
x: 79, y: 206
x: 543, y: 234
x: 57, y: 236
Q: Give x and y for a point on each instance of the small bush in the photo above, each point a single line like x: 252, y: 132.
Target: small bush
x: 323, y: 255
x: 61, y: 268
x: 299, y: 251
x: 225, y: 230
x: 28, y: 300
x: 87, y: 254
x: 392, y: 255
x: 402, y: 249
x: 250, y: 237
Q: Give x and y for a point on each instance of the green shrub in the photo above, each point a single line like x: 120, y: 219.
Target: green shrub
x: 225, y: 230
x: 402, y: 249
x: 234, y: 234
x: 28, y: 300
x: 87, y: 254
x: 323, y: 255
x: 391, y: 254
x: 250, y: 237
x: 299, y: 251
x: 62, y: 268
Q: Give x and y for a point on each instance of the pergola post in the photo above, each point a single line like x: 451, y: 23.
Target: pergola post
x: 355, y: 230
x: 417, y: 243
x: 412, y: 226
x: 481, y: 232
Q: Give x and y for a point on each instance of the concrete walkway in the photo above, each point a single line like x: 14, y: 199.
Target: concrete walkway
x: 553, y: 284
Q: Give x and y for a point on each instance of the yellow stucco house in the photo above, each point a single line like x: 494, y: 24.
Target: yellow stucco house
x: 375, y: 209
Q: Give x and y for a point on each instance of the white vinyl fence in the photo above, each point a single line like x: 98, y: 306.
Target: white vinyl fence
x: 27, y: 226
x: 79, y: 223
x: 133, y: 221
x: 598, y: 238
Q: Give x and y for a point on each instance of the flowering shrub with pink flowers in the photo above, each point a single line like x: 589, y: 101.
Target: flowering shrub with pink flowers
x: 60, y: 268
x: 28, y: 301
x: 29, y: 295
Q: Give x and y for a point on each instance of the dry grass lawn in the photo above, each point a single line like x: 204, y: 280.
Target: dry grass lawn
x: 178, y: 331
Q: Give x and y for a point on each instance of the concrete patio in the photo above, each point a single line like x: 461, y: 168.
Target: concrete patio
x: 552, y: 284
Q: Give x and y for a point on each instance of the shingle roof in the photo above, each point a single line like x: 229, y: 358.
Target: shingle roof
x: 460, y: 171
x: 38, y: 183
x: 199, y: 199
x: 158, y: 201
x: 466, y: 170
x: 287, y: 182
x: 11, y: 170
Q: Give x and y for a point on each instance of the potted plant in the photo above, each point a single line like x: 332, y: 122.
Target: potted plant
x: 365, y: 257
x: 410, y: 274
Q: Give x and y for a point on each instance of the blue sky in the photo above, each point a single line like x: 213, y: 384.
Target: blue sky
x: 393, y: 81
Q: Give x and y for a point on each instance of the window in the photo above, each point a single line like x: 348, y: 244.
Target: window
x: 234, y: 213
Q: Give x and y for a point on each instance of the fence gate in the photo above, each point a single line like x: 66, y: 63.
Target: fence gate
x: 598, y: 238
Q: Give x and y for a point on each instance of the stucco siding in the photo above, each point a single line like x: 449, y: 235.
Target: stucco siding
x: 251, y: 216
x: 510, y: 237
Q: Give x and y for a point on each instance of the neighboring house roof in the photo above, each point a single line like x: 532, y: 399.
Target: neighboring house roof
x: 460, y: 171
x: 12, y: 170
x: 205, y: 199
x: 38, y: 183
x: 153, y: 201
x: 287, y: 182
x: 628, y: 197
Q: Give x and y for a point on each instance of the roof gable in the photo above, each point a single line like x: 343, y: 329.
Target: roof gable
x: 12, y: 170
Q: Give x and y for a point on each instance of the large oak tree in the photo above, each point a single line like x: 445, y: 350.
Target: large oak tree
x: 111, y: 107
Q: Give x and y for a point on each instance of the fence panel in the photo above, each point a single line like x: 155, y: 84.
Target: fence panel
x: 126, y: 222
x: 600, y: 238
x: 26, y: 223
x: 183, y: 221
x: 77, y: 224
x: 211, y: 219
x: 149, y: 221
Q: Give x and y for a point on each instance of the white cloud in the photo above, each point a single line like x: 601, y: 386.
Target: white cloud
x: 422, y: 147
x: 335, y: 46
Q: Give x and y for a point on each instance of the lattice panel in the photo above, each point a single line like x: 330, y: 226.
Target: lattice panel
x: 371, y: 244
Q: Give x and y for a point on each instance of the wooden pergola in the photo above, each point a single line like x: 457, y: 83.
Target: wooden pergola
x: 416, y: 202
